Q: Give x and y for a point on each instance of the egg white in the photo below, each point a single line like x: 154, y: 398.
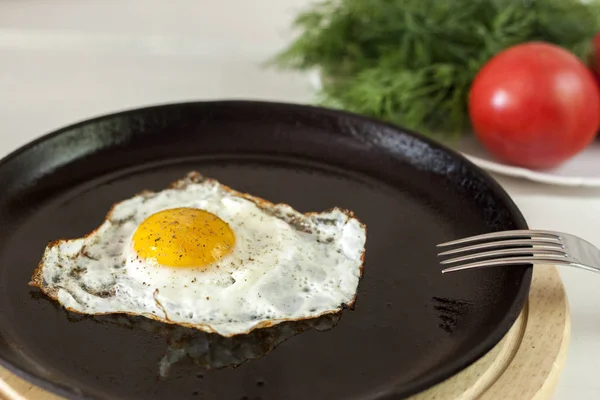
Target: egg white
x: 284, y: 266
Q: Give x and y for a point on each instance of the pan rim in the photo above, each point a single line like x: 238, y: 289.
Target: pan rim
x: 441, y: 373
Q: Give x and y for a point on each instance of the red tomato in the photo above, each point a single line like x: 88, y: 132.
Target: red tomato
x: 535, y: 105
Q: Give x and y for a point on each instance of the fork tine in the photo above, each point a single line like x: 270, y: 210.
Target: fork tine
x: 504, y: 252
x: 498, y: 262
x: 504, y: 235
x: 538, y: 243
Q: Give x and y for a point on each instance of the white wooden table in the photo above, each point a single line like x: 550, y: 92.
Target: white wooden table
x: 67, y: 60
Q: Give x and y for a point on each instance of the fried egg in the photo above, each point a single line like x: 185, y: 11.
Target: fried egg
x: 202, y: 255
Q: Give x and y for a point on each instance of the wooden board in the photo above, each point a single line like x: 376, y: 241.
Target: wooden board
x: 525, y: 365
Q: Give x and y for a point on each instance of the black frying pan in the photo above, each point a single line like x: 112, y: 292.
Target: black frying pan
x: 412, y: 326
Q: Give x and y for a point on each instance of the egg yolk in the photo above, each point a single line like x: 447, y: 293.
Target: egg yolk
x: 183, y: 237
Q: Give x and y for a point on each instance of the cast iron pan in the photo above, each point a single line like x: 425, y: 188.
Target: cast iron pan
x: 412, y: 326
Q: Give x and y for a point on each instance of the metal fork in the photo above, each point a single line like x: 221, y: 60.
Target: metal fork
x: 520, y: 247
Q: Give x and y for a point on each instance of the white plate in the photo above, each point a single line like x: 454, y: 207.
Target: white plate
x: 581, y: 170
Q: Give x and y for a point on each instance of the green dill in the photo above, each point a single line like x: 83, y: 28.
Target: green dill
x: 411, y: 62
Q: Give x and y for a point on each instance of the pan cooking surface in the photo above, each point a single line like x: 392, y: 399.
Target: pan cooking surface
x: 411, y: 328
